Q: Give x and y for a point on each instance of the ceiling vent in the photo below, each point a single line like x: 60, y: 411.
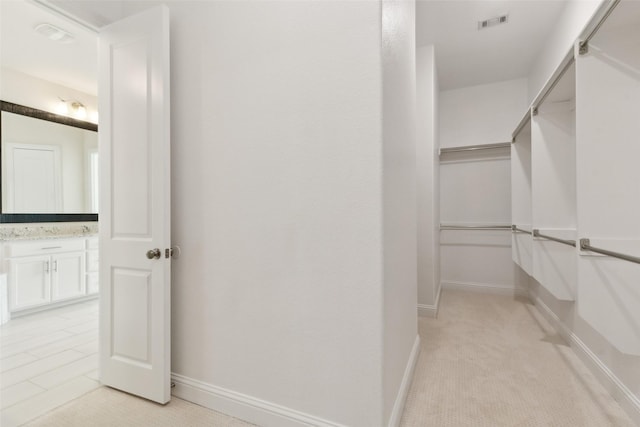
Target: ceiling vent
x: 493, y: 22
x: 54, y: 33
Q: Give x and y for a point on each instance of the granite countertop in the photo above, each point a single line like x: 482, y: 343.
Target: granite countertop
x: 14, y: 232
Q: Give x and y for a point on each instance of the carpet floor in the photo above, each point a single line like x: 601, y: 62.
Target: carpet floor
x: 488, y: 360
x: 492, y: 360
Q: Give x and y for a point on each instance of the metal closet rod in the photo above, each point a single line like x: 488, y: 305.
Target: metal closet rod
x: 554, y: 83
x: 475, y: 147
x: 515, y: 228
x: 585, y: 246
x: 608, y: 8
x: 523, y: 122
x: 474, y: 227
x: 605, y: 11
x: 536, y: 233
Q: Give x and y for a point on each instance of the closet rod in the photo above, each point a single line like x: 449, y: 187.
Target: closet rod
x: 605, y: 11
x: 474, y: 227
x: 585, y: 246
x: 523, y: 122
x: 570, y: 59
x: 536, y: 233
x: 474, y: 147
x: 515, y: 228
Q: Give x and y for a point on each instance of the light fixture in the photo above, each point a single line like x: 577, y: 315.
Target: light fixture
x: 72, y: 108
x: 78, y: 109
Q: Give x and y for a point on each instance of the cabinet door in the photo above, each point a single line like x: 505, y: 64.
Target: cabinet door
x: 29, y: 283
x: 68, y: 276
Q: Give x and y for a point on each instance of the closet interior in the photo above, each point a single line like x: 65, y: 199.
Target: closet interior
x: 576, y: 182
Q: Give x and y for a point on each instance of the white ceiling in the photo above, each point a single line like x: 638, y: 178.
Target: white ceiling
x: 466, y: 56
x: 74, y: 65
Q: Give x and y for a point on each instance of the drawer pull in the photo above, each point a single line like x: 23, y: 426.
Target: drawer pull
x: 52, y: 247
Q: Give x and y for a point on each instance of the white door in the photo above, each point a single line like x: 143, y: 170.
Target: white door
x: 134, y: 205
x: 33, y: 178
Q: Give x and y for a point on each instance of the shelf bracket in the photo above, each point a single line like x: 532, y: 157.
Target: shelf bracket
x: 583, y: 48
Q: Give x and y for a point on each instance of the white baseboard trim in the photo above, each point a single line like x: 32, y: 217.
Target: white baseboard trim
x: 483, y: 288
x: 426, y: 310
x: 401, y: 398
x: 247, y: 408
x: 620, y: 392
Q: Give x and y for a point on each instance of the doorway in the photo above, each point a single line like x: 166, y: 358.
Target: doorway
x: 49, y: 345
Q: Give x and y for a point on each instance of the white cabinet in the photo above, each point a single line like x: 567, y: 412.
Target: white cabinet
x: 29, y: 283
x: 48, y: 271
x: 67, y: 276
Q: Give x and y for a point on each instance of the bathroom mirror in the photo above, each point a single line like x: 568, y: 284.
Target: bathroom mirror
x: 48, y: 165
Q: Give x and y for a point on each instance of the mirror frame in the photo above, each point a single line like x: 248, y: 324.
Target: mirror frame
x: 50, y: 117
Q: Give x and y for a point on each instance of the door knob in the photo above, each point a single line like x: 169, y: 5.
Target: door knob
x: 153, y: 253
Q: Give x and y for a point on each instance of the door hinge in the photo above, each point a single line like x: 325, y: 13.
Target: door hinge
x: 534, y: 111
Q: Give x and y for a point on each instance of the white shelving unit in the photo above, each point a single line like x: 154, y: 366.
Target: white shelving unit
x: 521, y: 212
x: 553, y: 190
x: 608, y: 177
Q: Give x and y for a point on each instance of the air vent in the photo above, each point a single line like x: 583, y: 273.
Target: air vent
x: 54, y: 33
x: 493, y: 22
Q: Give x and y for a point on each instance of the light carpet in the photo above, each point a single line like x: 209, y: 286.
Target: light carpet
x: 488, y: 360
x: 492, y: 360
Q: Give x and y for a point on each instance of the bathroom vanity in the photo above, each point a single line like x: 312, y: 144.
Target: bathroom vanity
x: 47, y: 272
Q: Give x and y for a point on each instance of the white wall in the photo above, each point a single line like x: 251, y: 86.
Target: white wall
x: 278, y: 207
x: 574, y: 18
x: 399, y: 202
x: 428, y: 172
x: 475, y: 189
x: 483, y: 114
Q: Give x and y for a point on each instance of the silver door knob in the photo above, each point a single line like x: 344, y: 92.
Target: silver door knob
x: 153, y: 253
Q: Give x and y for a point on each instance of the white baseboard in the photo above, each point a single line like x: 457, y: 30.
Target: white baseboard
x: 483, y: 288
x: 267, y: 414
x: 247, y: 408
x: 620, y: 392
x: 401, y: 398
x: 426, y: 310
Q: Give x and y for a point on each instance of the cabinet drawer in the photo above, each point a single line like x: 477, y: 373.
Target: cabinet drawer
x: 43, y: 247
x: 93, y: 261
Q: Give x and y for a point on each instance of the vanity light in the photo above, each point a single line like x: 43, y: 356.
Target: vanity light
x: 79, y: 110
x: 62, y: 108
x: 72, y: 108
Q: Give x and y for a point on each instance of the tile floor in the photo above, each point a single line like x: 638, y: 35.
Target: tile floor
x: 47, y: 359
